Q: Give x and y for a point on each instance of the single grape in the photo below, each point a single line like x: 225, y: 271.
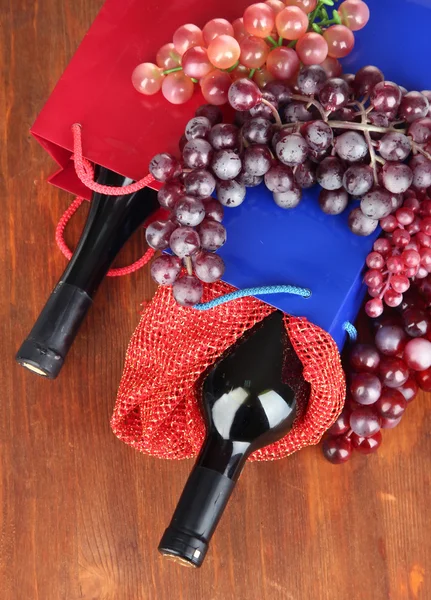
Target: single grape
x: 340, y: 41
x: 244, y: 94
x: 276, y: 5
x: 306, y: 5
x: 230, y: 193
x: 351, y: 146
x: 373, y: 279
x: 389, y: 224
x: 208, y: 267
x: 200, y: 183
x: 254, y: 52
x: 177, y: 88
x: 424, y: 380
x: 358, y: 180
x: 421, y: 169
x: 365, y: 422
x: 386, y: 96
x: 414, y: 105
x: 332, y: 67
x: 257, y: 131
x: 375, y: 261
x: 248, y: 180
x: 333, y: 202
x: 364, y: 358
x: 189, y: 211
x: 147, y: 79
x: 389, y: 423
x: 374, y: 307
x: 393, y: 371
x: 379, y: 120
x: 158, y: 233
x: 335, y: 93
x: 291, y: 23
x: 396, y: 177
x: 224, y: 51
x: 197, y: 154
x: 330, y: 173
x: 409, y: 389
x: 224, y: 136
x: 417, y: 354
x: 261, y: 109
x: 165, y: 269
x: 354, y: 14
x: 186, y: 37
x: 198, y: 127
x: 318, y: 135
x: 259, y: 20
x: 195, y: 62
x: 337, y: 450
x: 282, y: 62
x: 391, y: 404
x: 184, y: 241
x: 416, y: 322
x: 295, y: 112
x: 216, y: 27
x: 187, y: 291
x: 226, y: 164
x: 341, y: 425
x: 212, y: 235
x: 367, y: 445
x: 167, y: 57
x: 170, y: 193
x: 400, y: 238
x: 366, y: 79
x: 427, y: 94
x: 305, y: 175
x: 280, y: 90
x: 239, y: 72
x: 292, y: 149
x: 312, y: 48
x: 383, y: 246
x: 400, y: 283
x: 215, y: 87
x: 164, y: 167
x: 394, y: 146
x: 183, y: 141
x: 211, y: 112
x: 376, y: 203
x: 365, y: 388
x: 311, y: 79
x: 279, y: 178
x: 257, y: 160
x: 213, y: 209
x: 289, y: 199
x: 239, y: 31
x: 390, y: 340
x: 262, y: 77
x: 410, y: 258
x: 420, y: 130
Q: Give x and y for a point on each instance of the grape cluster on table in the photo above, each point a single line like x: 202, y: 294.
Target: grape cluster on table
x: 268, y: 42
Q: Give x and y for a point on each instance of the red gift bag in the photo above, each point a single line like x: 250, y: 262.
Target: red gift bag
x: 122, y: 129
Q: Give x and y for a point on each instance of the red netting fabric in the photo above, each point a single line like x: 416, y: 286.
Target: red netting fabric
x: 157, y: 409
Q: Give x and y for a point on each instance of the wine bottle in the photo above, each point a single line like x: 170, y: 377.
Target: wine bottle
x: 246, y: 406
x: 110, y: 223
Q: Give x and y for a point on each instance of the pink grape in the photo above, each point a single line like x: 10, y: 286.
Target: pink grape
x: 184, y: 241
x: 239, y: 72
x: 208, y: 267
x: 355, y: 14
x: 282, y: 62
x: 254, y: 52
x: 216, y: 27
x: 224, y: 51
x: 373, y: 278
x: 276, y: 5
x: 337, y: 450
x: 262, y: 77
x: 147, y: 79
x: 195, y: 62
x: 374, y: 307
x: 177, y: 88
x: 186, y: 37
x: 291, y: 23
x: 417, y: 354
x: 306, y: 5
x: 187, y: 291
x: 215, y: 87
x: 332, y: 67
x: 312, y: 48
x: 340, y: 41
x: 165, y: 269
x: 167, y: 57
x: 259, y: 20
x: 239, y: 31
x: 375, y: 261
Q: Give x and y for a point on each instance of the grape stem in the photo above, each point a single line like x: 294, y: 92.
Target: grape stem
x: 189, y: 265
x: 416, y: 147
x: 386, y: 286
x: 273, y: 110
x: 311, y: 101
x: 172, y: 70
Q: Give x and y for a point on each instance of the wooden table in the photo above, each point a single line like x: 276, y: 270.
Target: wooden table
x: 81, y: 512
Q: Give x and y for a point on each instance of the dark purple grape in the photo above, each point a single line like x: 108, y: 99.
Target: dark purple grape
x: 198, y: 127
x: 334, y: 94
x: 416, y: 322
x: 390, y: 339
x: 386, y: 97
x: 211, y: 112
x: 189, y: 211
x: 212, y: 235
x: 311, y: 79
x: 365, y: 388
x: 263, y: 110
x: 420, y: 130
x: 279, y: 178
x: 164, y: 167
x: 349, y: 78
x: 200, y: 183
x: 341, y: 425
x: 280, y: 90
x: 257, y: 131
x: 305, y: 175
x: 318, y: 135
x: 359, y: 224
x: 226, y: 164
x: 297, y: 112
x: 187, y: 290
x: 288, y: 199
x: 378, y: 119
x: 184, y: 241
x: 367, y: 445
x: 421, y: 168
x: 365, y: 80
x: 414, y: 105
x: 249, y: 180
x: 397, y: 201
x: 213, y: 209
x: 394, y: 146
x: 358, y: 180
x: 230, y: 193
x: 364, y: 358
x: 257, y: 160
x: 318, y: 157
x: 170, y: 193
x: 330, y: 173
x: 224, y: 136
x: 183, y: 141
x: 291, y: 149
x: 197, y: 154
x: 376, y: 203
x: 244, y: 94
x: 393, y: 372
x: 391, y: 404
x: 208, y: 267
x: 158, y: 233
x: 165, y: 269
x: 365, y: 421
x: 337, y: 450
x: 333, y: 202
x: 241, y: 117
x: 396, y: 177
x: 351, y: 146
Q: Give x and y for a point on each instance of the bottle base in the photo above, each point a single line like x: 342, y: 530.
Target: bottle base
x: 183, y: 548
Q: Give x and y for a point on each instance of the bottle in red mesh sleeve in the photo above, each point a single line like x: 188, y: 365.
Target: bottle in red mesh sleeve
x: 247, y: 404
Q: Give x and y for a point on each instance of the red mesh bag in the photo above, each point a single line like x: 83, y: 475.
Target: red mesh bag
x: 157, y: 409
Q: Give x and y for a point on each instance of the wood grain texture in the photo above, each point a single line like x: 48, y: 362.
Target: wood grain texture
x: 81, y: 513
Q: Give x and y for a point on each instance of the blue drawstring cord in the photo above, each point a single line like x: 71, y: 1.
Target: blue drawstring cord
x: 256, y: 291
x: 351, y: 331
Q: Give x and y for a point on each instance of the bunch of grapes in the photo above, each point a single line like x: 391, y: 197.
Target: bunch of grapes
x: 383, y: 379
x: 267, y: 43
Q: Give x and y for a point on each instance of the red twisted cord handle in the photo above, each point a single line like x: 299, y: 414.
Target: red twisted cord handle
x: 85, y: 171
